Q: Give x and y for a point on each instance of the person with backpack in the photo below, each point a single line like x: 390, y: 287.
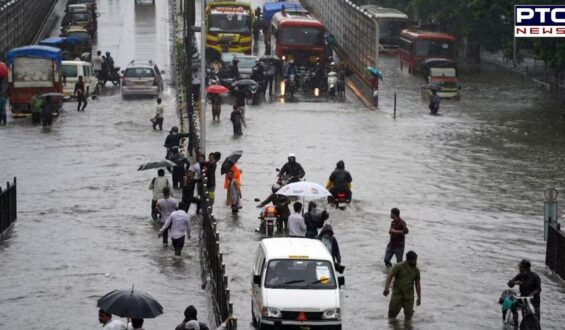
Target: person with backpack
x: 327, y: 237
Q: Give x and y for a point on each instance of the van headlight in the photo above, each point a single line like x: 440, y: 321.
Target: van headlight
x: 333, y: 313
x: 271, y: 312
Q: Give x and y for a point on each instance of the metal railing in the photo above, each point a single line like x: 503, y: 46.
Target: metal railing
x: 214, y: 257
x: 188, y: 112
x: 355, y: 31
x: 20, y: 22
x: 555, y: 255
x: 8, y: 206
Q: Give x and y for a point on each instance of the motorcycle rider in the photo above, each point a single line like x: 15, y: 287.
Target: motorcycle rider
x: 340, y: 181
x: 281, y: 204
x: 173, y: 140
x: 293, y: 169
x: 109, y: 63
x: 292, y: 68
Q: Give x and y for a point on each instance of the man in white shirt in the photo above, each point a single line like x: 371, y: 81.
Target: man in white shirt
x: 179, y: 224
x: 97, y: 62
x: 166, y: 206
x: 159, y: 115
x: 105, y: 319
x: 157, y: 185
x: 296, y: 224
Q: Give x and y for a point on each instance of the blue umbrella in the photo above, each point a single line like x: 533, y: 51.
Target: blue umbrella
x: 375, y: 72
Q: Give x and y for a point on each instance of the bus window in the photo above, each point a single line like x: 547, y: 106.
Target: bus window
x: 301, y: 36
x: 433, y: 48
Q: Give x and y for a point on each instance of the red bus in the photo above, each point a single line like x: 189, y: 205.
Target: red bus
x: 417, y: 46
x: 298, y: 35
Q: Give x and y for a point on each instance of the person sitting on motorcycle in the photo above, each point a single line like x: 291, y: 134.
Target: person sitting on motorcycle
x: 292, y: 169
x: 109, y: 63
x: 235, y: 69
x: 292, y: 69
x: 173, y: 140
x: 318, y: 74
x: 258, y: 73
x: 281, y: 204
x: 340, y: 181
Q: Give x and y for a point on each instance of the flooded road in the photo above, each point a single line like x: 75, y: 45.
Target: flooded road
x: 83, y: 226
x: 469, y: 183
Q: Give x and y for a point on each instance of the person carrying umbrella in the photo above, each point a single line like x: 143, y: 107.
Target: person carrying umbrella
x: 234, y: 193
x: 36, y: 105
x: 135, y: 305
x: 157, y: 185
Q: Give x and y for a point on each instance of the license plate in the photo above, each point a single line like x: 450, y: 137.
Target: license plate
x: 140, y: 83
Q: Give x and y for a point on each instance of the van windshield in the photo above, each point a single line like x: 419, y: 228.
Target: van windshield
x: 300, y: 274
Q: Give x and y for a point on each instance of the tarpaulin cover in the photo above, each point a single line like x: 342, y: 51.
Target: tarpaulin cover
x: 271, y: 8
x: 34, y: 51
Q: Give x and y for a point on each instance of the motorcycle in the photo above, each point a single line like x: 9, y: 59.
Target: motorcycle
x: 312, y: 82
x: 332, y: 83
x: 285, y: 179
x: 340, y: 200
x: 290, y: 87
x: 268, y: 217
x: 115, y: 78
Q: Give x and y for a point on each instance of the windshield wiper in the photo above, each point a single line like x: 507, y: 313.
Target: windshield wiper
x: 289, y: 282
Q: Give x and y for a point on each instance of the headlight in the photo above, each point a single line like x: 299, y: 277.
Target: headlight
x: 271, y: 312
x: 333, y: 313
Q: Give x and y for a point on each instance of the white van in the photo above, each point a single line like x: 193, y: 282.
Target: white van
x: 71, y: 71
x: 295, y: 285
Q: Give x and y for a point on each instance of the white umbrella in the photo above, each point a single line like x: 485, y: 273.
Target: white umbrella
x: 304, y: 189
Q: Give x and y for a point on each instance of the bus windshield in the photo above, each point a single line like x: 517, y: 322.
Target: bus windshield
x: 236, y: 23
x: 302, y: 36
x: 390, y: 29
x: 434, y: 48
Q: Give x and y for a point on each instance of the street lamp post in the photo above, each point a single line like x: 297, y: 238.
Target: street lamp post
x: 203, y: 76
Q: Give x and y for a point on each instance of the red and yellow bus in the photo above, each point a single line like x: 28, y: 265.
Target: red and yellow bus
x: 416, y: 46
x: 298, y: 35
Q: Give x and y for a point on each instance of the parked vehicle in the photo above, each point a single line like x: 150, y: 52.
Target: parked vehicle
x: 142, y: 79
x: 71, y: 71
x: 295, y: 285
x: 33, y: 70
x: 417, y: 46
x: 83, y: 19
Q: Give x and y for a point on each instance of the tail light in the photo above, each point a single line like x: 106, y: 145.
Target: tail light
x: 341, y: 195
x: 155, y: 81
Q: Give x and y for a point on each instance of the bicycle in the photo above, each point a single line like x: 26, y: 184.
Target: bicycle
x: 526, y: 308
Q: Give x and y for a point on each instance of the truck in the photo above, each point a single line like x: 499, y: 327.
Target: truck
x: 229, y: 27
x: 33, y: 70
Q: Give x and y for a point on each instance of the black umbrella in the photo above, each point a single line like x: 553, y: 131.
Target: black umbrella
x: 127, y: 303
x: 159, y: 164
x: 231, y: 160
x: 245, y: 82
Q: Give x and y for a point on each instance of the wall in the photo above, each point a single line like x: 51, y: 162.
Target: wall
x: 21, y: 21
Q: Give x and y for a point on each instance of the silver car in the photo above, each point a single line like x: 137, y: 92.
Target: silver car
x: 142, y: 79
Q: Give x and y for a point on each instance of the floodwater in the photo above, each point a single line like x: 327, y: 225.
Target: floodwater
x: 469, y: 183
x: 83, y: 225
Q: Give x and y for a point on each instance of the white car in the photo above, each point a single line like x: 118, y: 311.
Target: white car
x: 295, y: 285
x: 71, y: 70
x: 142, y: 79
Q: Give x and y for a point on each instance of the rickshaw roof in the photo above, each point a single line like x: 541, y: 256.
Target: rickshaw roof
x: 54, y: 41
x: 271, y: 8
x: 34, y: 51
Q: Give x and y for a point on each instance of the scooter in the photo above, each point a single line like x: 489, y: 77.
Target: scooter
x: 341, y: 201
x: 268, y: 217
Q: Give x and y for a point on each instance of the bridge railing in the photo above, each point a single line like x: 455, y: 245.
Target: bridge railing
x: 8, y: 206
x: 555, y: 255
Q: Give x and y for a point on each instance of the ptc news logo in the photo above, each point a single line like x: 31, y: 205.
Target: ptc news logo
x: 539, y: 21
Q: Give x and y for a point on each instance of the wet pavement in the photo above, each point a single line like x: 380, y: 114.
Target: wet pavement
x: 469, y: 183
x: 83, y: 225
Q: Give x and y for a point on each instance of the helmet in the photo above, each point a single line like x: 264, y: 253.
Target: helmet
x: 291, y: 155
x: 291, y: 61
x: 175, y: 129
x: 332, y: 63
x: 275, y: 187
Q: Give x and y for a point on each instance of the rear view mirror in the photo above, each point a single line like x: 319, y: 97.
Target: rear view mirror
x: 257, y: 279
x: 341, y: 281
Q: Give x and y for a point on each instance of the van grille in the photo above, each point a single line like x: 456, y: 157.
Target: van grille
x: 312, y: 316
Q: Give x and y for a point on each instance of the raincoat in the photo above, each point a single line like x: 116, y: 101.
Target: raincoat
x: 236, y: 176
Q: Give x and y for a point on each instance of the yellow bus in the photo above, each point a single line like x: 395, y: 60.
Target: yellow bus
x: 229, y: 26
